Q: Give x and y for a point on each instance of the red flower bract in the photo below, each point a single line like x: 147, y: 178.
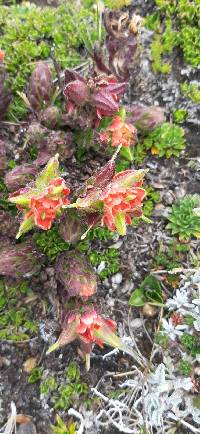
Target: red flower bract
x: 44, y: 207
x: 121, y: 203
x: 89, y: 323
x: 120, y: 133
x: 44, y: 211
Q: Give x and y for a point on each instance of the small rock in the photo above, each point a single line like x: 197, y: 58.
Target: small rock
x: 180, y: 192
x: 50, y: 271
x: 27, y: 428
x: 168, y: 198
x: 101, y: 267
x: 127, y: 286
x: 30, y: 364
x: 117, y: 279
x: 136, y: 323
x: 161, y: 211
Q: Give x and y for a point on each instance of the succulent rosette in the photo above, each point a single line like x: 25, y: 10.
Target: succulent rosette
x: 42, y: 202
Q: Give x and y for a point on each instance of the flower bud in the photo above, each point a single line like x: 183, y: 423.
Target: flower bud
x: 8, y: 224
x: 3, y: 160
x: 41, y: 86
x: 50, y: 117
x: 90, y: 328
x: 77, y: 92
x: 146, y: 118
x: 19, y: 260
x: 76, y: 274
x: 20, y: 176
x: 70, y: 228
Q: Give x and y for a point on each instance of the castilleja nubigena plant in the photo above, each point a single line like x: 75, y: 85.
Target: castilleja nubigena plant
x: 107, y: 198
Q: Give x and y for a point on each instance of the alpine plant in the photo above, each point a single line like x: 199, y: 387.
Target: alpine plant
x: 43, y: 202
x: 112, y: 199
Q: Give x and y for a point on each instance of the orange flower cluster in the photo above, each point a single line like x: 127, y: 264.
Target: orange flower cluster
x: 89, y: 324
x: 119, y: 133
x: 121, y: 203
x: 43, y: 207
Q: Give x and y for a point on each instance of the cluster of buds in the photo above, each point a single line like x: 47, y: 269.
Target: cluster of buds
x: 146, y: 118
x: 42, y: 202
x: 120, y: 52
x: 40, y: 87
x: 100, y: 94
x: 49, y: 142
x: 75, y: 274
x: 20, y: 176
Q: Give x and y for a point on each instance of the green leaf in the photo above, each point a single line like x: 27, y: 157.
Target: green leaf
x: 126, y: 153
x: 137, y: 298
x: 48, y: 173
x: 149, y: 291
x: 120, y: 223
x: 25, y: 226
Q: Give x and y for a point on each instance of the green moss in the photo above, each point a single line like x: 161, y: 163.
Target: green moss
x: 172, y: 256
x: 139, y: 153
x: 111, y: 259
x: 152, y: 21
x: 167, y: 6
x: 166, y: 140
x: 162, y: 340
x: 191, y: 91
x: 35, y: 375
x: 30, y: 33
x: 4, y: 204
x: 50, y: 242
x: 180, y: 27
x: 189, y: 341
x: 16, y: 322
x: 72, y: 391
x: 179, y: 115
x: 156, y: 54
x: 185, y: 368
x: 116, y: 4
x: 49, y: 385
x: 190, y: 44
x: 102, y: 234
x: 61, y: 428
x: 151, y: 199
